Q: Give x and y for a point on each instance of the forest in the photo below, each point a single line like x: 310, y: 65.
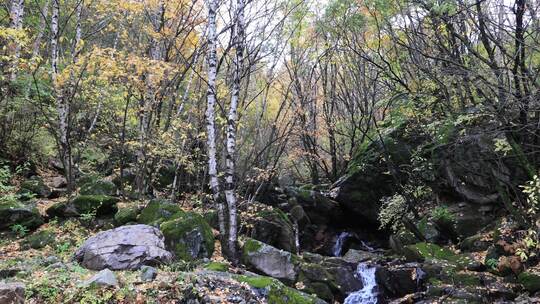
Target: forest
x: 269, y: 151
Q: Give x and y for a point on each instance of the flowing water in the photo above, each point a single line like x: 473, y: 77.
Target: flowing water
x: 368, y: 294
x: 338, y: 246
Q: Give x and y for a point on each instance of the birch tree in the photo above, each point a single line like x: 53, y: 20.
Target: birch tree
x: 62, y: 104
x: 230, y: 187
x: 17, y: 13
x: 211, y: 97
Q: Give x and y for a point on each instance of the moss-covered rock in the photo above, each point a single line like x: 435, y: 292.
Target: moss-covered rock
x: 98, y: 204
x: 367, y: 179
x: 34, y: 187
x: 188, y: 236
x: 273, y: 227
x: 217, y: 266
x: 17, y: 213
x: 126, y: 215
x: 40, y: 239
x: 429, y: 251
x: 158, y: 211
x: 277, y: 292
x: 211, y: 217
x: 98, y: 187
x: 530, y: 281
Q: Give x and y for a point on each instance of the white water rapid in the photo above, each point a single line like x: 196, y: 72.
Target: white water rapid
x: 368, y: 294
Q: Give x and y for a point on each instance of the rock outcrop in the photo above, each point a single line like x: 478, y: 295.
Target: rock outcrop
x: 126, y: 247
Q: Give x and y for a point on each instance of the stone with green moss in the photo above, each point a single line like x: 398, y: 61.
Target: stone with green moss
x: 530, y: 281
x: 277, y: 292
x: 94, y: 204
x: 158, y: 211
x: 34, y: 187
x: 428, y: 251
x: 217, y: 266
x: 188, y: 236
x: 126, y: 215
x: 98, y: 187
x: 18, y: 213
x: 40, y: 239
x: 273, y: 227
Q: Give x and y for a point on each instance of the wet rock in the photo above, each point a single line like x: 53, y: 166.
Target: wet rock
x: 188, y: 236
x: 148, y: 273
x: 104, y: 278
x: 126, y: 247
x: 398, y: 281
x: 12, y: 293
x: 269, y: 260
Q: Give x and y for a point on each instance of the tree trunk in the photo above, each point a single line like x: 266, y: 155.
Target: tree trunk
x: 230, y: 187
x: 61, y: 102
x: 210, y: 113
x: 17, y: 13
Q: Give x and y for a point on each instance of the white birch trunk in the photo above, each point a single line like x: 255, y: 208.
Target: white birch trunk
x: 210, y: 113
x: 17, y: 13
x: 230, y: 187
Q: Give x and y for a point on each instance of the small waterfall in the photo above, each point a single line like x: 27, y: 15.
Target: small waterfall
x: 338, y: 246
x: 368, y: 294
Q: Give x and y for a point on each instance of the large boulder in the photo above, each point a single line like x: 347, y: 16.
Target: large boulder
x: 158, y: 211
x: 98, y: 187
x: 398, y: 281
x: 188, y: 236
x: 331, y: 279
x: 269, y: 260
x: 373, y: 171
x: 100, y: 205
x: 273, y: 227
x: 17, y: 213
x: 318, y: 208
x: 126, y: 247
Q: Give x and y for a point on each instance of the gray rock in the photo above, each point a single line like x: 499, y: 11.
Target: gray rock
x: 59, y: 182
x: 356, y: 256
x: 12, y: 293
x: 148, y: 273
x: 269, y: 260
x: 103, y: 278
x: 126, y: 247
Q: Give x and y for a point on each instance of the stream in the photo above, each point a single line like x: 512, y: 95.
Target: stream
x: 364, y: 273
